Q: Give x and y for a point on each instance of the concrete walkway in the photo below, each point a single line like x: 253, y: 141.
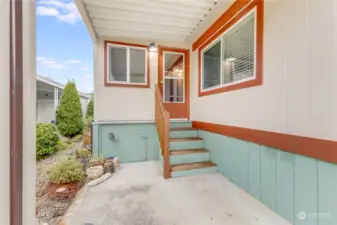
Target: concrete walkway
x: 138, y: 195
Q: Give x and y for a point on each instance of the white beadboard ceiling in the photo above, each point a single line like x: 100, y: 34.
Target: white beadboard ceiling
x: 169, y: 20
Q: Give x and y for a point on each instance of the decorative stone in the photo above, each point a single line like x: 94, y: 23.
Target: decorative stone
x: 95, y: 172
x: 108, y: 167
x: 99, y: 180
x: 116, y: 163
x: 60, y: 190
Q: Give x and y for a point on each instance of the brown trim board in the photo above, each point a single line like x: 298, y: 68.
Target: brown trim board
x: 16, y: 111
x: 321, y: 149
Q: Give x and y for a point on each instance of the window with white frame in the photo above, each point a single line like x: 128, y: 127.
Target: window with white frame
x: 230, y: 59
x: 127, y: 64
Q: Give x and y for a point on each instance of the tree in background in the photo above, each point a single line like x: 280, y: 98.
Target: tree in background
x: 90, y: 109
x: 69, y: 117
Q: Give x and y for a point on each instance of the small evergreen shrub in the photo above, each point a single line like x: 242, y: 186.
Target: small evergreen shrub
x: 83, y: 153
x: 90, y: 108
x: 64, y: 145
x: 46, y: 140
x: 87, y: 123
x: 69, y: 115
x: 77, y: 138
x: 97, y: 161
x: 66, y: 171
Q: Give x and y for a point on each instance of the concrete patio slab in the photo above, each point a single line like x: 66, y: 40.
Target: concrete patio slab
x: 138, y: 195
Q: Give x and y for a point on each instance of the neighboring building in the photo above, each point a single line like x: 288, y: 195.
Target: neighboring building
x: 48, y: 93
x: 254, y: 86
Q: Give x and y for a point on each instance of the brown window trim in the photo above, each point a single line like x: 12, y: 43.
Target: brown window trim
x: 234, y: 13
x: 109, y: 84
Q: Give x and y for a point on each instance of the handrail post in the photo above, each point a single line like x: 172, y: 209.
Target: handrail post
x: 162, y: 119
x: 167, y: 172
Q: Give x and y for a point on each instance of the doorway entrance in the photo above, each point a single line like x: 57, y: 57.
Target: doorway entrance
x: 173, y: 80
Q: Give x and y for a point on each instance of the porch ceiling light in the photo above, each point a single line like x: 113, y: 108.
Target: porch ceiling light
x: 231, y: 59
x: 152, y: 47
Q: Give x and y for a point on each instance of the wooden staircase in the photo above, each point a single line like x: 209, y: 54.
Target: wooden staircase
x: 187, y: 153
x: 182, y: 152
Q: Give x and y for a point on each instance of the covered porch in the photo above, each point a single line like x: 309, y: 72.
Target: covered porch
x: 212, y: 86
x: 137, y: 194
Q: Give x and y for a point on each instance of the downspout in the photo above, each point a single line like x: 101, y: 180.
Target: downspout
x: 16, y: 112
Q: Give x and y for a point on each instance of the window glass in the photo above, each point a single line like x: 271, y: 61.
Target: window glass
x: 238, y: 51
x: 173, y: 77
x: 137, y: 65
x: 211, y: 66
x: 118, y: 63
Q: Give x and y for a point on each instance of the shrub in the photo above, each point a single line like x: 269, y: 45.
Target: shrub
x: 97, y: 161
x: 83, y: 153
x: 90, y: 108
x: 77, y: 138
x: 69, y: 119
x: 64, y: 145
x: 66, y: 171
x: 87, y: 123
x: 46, y: 140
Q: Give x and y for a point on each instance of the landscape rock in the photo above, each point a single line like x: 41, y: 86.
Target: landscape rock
x: 108, y: 167
x: 116, y: 163
x: 60, y: 190
x: 99, y: 180
x: 95, y: 172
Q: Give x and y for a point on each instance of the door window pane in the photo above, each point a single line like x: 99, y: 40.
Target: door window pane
x: 174, y: 90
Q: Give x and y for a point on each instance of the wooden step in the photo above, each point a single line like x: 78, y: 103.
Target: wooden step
x: 191, y: 166
x: 186, y: 139
x: 182, y: 128
x: 188, y: 151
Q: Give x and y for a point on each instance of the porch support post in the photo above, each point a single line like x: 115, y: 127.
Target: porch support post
x: 56, y: 101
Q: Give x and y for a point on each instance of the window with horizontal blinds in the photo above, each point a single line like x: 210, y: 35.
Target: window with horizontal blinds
x: 238, y: 51
x: 127, y: 65
x: 231, y: 58
x: 212, y: 63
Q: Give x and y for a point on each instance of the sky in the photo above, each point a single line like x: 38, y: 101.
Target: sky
x: 64, y: 46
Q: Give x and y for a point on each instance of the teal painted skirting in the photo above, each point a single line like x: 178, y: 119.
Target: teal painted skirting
x: 287, y: 183
x: 132, y: 143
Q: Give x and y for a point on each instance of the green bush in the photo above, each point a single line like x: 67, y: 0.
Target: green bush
x: 90, y: 108
x: 69, y: 119
x: 83, y: 153
x: 46, y: 140
x: 97, y: 161
x: 66, y: 171
x: 64, y: 145
x: 87, y: 123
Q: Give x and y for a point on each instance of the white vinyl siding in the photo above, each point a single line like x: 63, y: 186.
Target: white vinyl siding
x: 231, y: 58
x: 127, y: 65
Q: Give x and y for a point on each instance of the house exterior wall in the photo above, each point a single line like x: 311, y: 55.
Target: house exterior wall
x: 45, y: 110
x: 289, y: 184
x: 125, y: 103
x: 298, y: 95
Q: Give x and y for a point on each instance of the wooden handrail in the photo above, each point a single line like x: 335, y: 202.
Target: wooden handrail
x: 162, y: 117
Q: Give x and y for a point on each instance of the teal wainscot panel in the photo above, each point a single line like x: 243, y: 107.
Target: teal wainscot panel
x: 129, y: 142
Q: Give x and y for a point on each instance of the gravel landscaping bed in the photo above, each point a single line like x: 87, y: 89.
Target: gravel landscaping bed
x: 49, y: 210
